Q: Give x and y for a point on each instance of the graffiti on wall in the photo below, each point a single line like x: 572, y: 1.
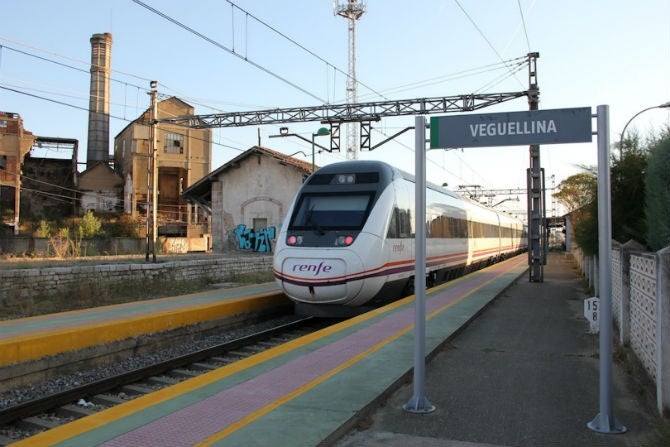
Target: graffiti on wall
x: 175, y: 245
x: 248, y: 239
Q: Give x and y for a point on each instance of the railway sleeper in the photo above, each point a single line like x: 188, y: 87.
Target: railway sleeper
x: 255, y: 349
x: 74, y: 411
x: 183, y: 373
x: 221, y: 360
x: 136, y: 390
x: 37, y: 423
x: 162, y: 381
x: 106, y: 400
x: 5, y: 440
x: 268, y: 344
x: 202, y: 366
x: 252, y: 349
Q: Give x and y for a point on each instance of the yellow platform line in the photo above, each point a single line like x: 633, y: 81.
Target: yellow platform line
x: 35, y: 346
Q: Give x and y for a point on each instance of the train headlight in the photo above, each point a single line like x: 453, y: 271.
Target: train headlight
x: 344, y: 241
x: 294, y: 240
x: 345, y: 179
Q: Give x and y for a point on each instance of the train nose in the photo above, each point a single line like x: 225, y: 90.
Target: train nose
x: 327, y: 280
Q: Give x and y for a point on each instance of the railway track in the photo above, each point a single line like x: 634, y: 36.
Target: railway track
x: 37, y: 415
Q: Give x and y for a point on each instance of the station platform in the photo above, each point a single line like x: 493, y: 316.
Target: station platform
x: 304, y: 393
x: 525, y: 373
x: 34, y: 338
x: 522, y: 373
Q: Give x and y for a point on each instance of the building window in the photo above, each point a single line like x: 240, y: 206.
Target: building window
x: 174, y: 143
x: 3, y: 123
x: 259, y: 224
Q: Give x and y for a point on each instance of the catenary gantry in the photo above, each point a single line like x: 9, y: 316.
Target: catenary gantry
x: 338, y: 113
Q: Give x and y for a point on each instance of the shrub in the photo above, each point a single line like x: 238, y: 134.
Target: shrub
x: 89, y: 226
x: 657, y: 200
x: 44, y: 229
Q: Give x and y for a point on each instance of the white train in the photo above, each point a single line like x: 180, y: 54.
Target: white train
x: 348, y: 238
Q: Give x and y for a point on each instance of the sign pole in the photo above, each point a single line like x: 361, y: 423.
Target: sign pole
x: 419, y: 402
x: 605, y: 422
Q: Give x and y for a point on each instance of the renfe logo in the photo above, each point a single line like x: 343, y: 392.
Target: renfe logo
x: 316, y: 268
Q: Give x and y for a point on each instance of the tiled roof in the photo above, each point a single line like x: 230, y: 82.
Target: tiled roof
x: 200, y: 191
x: 303, y: 165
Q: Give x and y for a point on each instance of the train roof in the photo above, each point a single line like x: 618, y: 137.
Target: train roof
x: 388, y: 171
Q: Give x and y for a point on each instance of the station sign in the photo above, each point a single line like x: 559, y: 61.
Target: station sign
x: 551, y: 126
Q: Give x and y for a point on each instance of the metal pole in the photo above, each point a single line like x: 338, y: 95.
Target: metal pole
x: 419, y: 402
x: 149, y: 170
x: 17, y: 179
x: 605, y: 422
x: 154, y: 173
x: 313, y: 135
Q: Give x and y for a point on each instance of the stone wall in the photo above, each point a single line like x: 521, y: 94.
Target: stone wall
x: 30, y: 283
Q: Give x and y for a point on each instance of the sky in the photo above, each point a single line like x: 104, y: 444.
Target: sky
x: 253, y: 55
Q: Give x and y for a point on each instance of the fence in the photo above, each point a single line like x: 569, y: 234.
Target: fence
x: 640, y: 307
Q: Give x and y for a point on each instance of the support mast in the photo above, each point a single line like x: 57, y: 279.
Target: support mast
x: 537, y: 256
x: 352, y: 10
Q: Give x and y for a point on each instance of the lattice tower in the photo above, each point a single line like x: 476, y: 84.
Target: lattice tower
x: 351, y: 10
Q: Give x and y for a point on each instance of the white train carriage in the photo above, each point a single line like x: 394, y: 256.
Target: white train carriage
x: 348, y: 239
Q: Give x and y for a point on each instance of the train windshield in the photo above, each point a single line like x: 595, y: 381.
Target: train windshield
x: 331, y: 211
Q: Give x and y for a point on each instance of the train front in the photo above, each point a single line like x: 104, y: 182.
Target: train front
x: 328, y: 252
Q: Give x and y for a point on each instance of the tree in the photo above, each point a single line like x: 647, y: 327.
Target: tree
x: 657, y: 202
x: 628, y: 193
x: 579, y: 194
x: 578, y: 190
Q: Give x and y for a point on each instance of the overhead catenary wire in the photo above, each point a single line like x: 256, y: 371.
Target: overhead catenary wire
x: 523, y: 23
x: 503, y: 65
x: 111, y: 116
x: 225, y: 48
x: 481, y: 33
x: 302, y: 47
x: 335, y: 70
x: 87, y: 70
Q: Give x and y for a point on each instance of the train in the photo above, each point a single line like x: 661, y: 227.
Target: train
x: 347, y: 243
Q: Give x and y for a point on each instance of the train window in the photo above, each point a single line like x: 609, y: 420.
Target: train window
x: 392, y: 232
x: 367, y: 177
x: 331, y: 211
x: 442, y: 226
x: 401, y: 224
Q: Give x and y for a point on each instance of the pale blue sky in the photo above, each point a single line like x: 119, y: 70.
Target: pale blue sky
x: 595, y: 52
